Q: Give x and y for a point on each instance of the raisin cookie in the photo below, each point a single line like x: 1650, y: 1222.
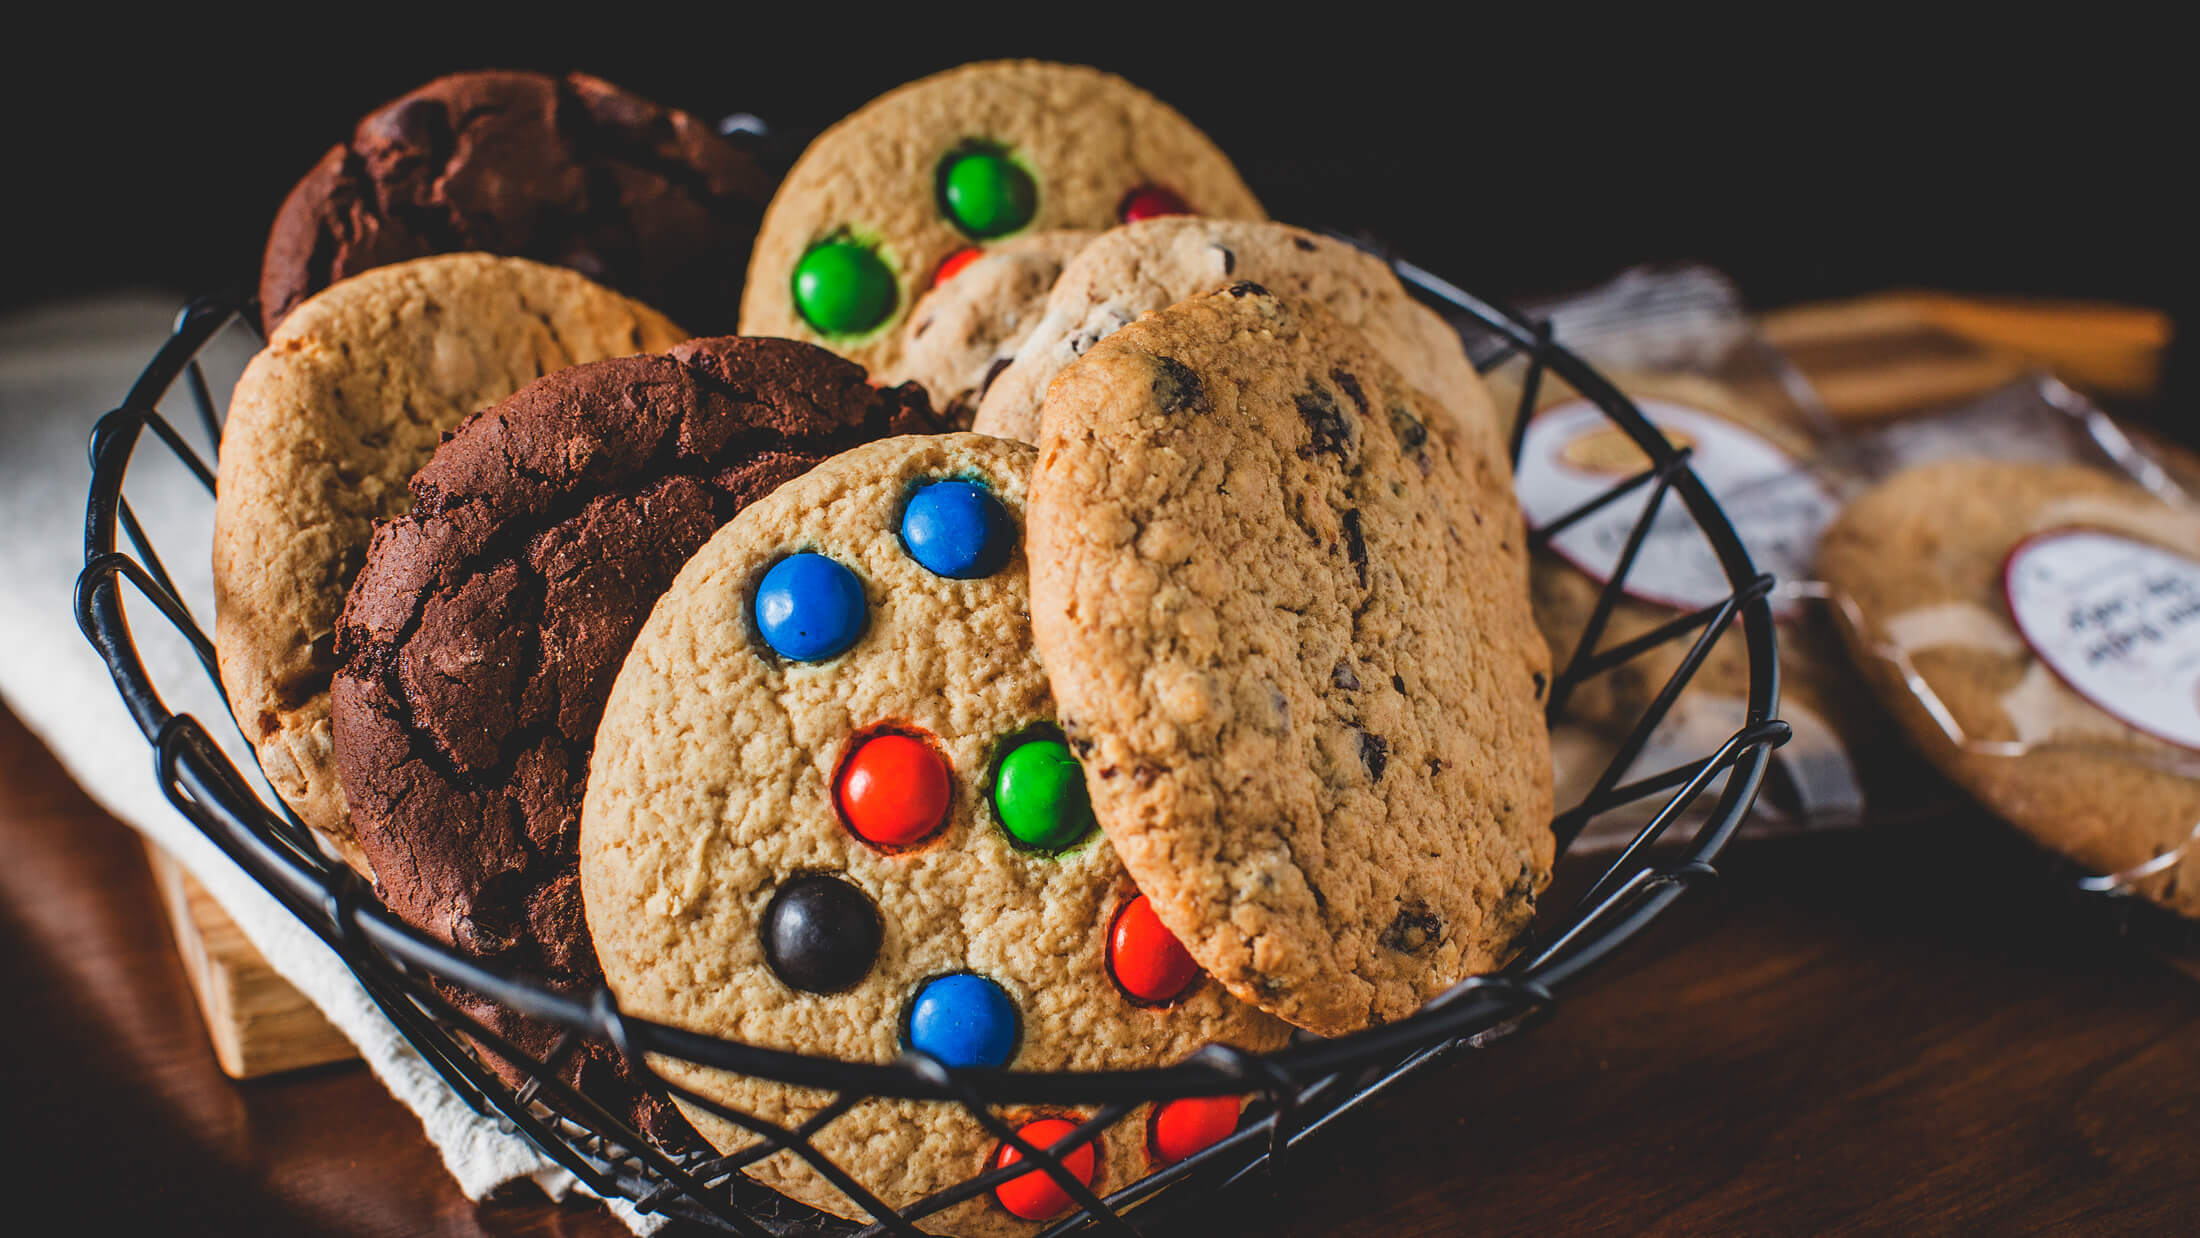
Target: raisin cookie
x: 566, y: 170
x: 1284, y: 609
x: 1146, y: 266
x: 349, y: 397
x: 964, y: 331
x: 1930, y: 568
x: 483, y: 633
x: 829, y: 812
x: 870, y: 212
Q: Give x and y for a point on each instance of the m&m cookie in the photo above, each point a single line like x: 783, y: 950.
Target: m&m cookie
x: 830, y: 810
x: 900, y: 191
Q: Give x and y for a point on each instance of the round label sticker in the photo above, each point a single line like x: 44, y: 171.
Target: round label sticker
x: 2116, y: 619
x: 1573, y: 453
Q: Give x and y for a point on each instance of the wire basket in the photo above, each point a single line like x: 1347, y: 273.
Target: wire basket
x: 1295, y: 1091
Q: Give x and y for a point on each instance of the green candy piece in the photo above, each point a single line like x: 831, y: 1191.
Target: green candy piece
x: 985, y: 194
x: 842, y: 288
x: 1040, y: 796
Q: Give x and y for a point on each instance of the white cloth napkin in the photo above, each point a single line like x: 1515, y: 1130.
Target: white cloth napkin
x: 61, y: 367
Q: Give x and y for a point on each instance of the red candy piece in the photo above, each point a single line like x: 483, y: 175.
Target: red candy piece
x: 893, y: 791
x: 1035, y: 1195
x: 1147, y: 201
x: 955, y: 263
x: 1188, y: 1124
x: 1145, y: 958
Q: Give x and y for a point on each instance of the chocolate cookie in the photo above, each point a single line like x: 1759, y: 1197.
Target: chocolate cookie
x: 875, y: 206
x: 566, y: 170
x: 964, y: 331
x: 1159, y: 262
x: 350, y: 396
x: 2031, y: 628
x: 1283, y: 605
x: 485, y: 629
x: 828, y: 813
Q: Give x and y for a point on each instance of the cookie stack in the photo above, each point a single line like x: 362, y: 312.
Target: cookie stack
x: 1193, y: 697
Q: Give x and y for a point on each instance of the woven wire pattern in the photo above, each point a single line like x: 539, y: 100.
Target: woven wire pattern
x: 1295, y: 1091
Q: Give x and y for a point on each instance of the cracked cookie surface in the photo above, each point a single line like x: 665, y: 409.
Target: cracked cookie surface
x: 1156, y: 263
x: 351, y: 395
x: 483, y: 633
x: 570, y: 170
x: 1284, y: 608
x: 720, y: 780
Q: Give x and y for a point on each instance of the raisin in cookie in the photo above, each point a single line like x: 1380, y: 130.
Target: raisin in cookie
x: 1928, y: 562
x: 870, y: 212
x: 483, y: 633
x: 1283, y: 605
x: 964, y: 331
x: 566, y: 170
x: 349, y: 397
x: 828, y: 812
x: 1157, y: 263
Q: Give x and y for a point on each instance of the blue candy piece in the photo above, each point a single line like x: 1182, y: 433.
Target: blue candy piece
x: 957, y: 529
x: 809, y: 607
x: 963, y: 1020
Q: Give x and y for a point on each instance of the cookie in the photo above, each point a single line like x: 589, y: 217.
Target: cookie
x: 349, y: 397
x: 870, y: 212
x: 567, y: 170
x: 1927, y: 563
x: 1282, y: 601
x: 483, y: 633
x: 963, y: 332
x: 1149, y: 265
x: 828, y: 812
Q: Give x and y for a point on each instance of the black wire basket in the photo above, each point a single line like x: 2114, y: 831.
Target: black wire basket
x: 1295, y: 1091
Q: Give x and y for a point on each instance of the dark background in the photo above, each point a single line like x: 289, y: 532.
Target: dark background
x: 1812, y: 153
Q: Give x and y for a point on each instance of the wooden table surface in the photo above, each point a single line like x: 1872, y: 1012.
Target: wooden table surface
x: 1876, y: 1031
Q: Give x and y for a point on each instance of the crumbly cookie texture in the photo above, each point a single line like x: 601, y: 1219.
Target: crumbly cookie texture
x: 1087, y: 140
x: 963, y: 333
x: 1920, y: 560
x: 712, y: 787
x: 567, y: 170
x: 1283, y: 604
x: 349, y: 397
x: 1158, y: 262
x: 482, y: 636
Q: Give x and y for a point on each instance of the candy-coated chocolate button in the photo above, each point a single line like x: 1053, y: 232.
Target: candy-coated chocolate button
x: 809, y: 607
x: 821, y: 934
x: 843, y: 288
x: 1149, y: 201
x: 893, y: 791
x: 1034, y: 1195
x: 1145, y: 958
x: 963, y: 1020
x: 955, y: 263
x: 985, y: 194
x: 1190, y: 1123
x: 1040, y: 796
x: 957, y: 529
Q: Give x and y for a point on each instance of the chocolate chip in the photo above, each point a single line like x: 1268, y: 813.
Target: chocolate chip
x: 1412, y: 435
x: 1540, y: 684
x: 1321, y: 900
x: 1327, y: 430
x: 1303, y: 244
x: 1374, y: 753
x: 1414, y: 929
x: 1081, y: 746
x: 1398, y: 682
x: 1342, y: 676
x: 1177, y: 389
x: 1351, y: 385
x: 1355, y: 545
x: 1246, y: 288
x: 1145, y: 774
x: 1435, y: 766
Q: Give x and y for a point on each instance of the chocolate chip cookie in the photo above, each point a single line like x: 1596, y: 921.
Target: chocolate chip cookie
x: 484, y: 631
x: 964, y: 331
x: 349, y: 397
x: 829, y: 811
x: 1283, y: 604
x: 879, y: 202
x: 567, y: 170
